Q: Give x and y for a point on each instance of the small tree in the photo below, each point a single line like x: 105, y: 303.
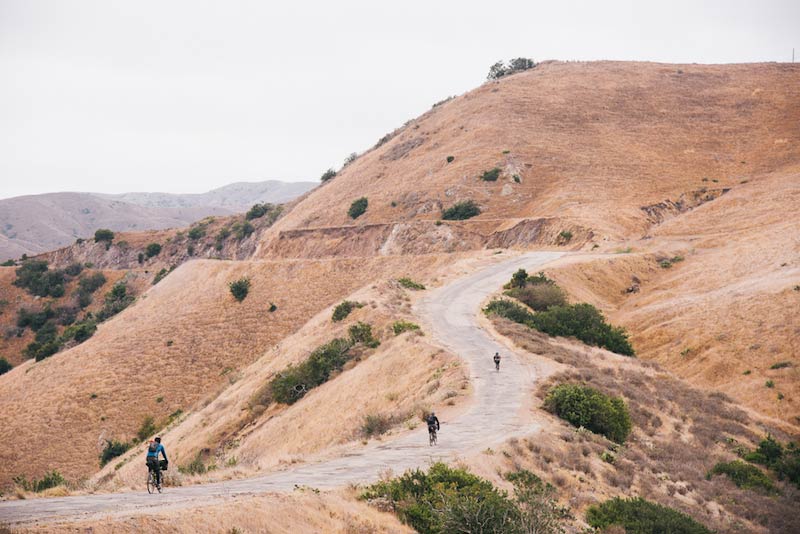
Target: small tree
x: 240, y: 288
x: 461, y: 211
x: 153, y: 249
x: 519, y: 278
x: 104, y: 234
x: 358, y: 207
x: 5, y: 366
x: 350, y: 159
x: 327, y: 175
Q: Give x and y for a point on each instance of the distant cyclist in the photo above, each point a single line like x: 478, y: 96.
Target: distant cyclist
x: 433, y: 426
x: 497, y: 360
x: 153, y: 449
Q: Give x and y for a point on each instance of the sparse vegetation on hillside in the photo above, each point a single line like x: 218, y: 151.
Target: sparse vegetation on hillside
x: 744, y: 475
x: 239, y: 288
x: 49, y: 480
x: 152, y: 249
x: 39, y: 280
x: 398, y: 327
x: 491, y: 175
x: 147, y: 428
x: 160, y: 275
x: 257, y: 211
x: 461, y: 211
x: 112, y: 450
x: 783, y: 460
x: 666, y: 263
x: 294, y: 382
x: 445, y: 499
x: 564, y: 237
x: 358, y: 207
x: 197, y: 231
x: 500, y: 69
x: 408, y: 283
x: 586, y: 407
x: 638, y: 516
x: 116, y: 300
x: 327, y: 175
x: 539, y: 297
x: 342, y: 310
x: 87, y: 285
x: 104, y: 234
x: 242, y: 230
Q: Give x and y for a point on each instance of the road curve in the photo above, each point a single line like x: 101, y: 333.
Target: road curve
x: 449, y: 314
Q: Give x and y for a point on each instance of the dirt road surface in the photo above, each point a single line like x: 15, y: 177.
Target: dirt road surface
x: 449, y: 314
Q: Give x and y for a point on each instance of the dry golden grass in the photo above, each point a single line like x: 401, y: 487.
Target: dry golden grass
x: 302, y: 511
x: 130, y: 363
x: 400, y: 378
x: 679, y: 433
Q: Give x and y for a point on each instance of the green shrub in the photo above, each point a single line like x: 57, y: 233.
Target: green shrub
x: 160, y: 275
x: 403, y: 326
x: 140, y: 258
x: 500, y: 69
x: 350, y: 159
x: 152, y: 249
x: 35, y: 276
x: 34, y: 319
x: 358, y: 207
x: 342, y: 310
x: 586, y: 323
x: 769, y: 384
x: 194, y: 467
x: 461, y: 211
x: 540, y: 297
x: 510, y: 310
x: 586, y: 407
x: 784, y: 461
x: 240, y: 288
x: 450, y: 159
x: 491, y: 175
x: 565, y: 236
x: 147, y: 429
x: 362, y: 333
x: 638, y: 516
x: 295, y: 381
x: 8, y: 263
x: 80, y: 332
x: 517, y: 179
x: 241, y: 230
x: 376, y: 425
x: 196, y: 232
x: 104, y: 234
x: 91, y: 283
x: 190, y: 250
x: 408, y: 283
x: 327, y: 175
x: 519, y: 278
x: 744, y: 475
x: 448, y: 500
x: 116, y: 300
x: 49, y: 480
x: 5, y: 366
x: 112, y: 450
x: 257, y: 211
x: 780, y: 365
x: 73, y: 269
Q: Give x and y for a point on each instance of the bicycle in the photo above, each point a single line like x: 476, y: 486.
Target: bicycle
x: 431, y: 436
x: 152, y: 479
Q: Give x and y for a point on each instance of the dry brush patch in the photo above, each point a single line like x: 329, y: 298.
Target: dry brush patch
x: 679, y: 434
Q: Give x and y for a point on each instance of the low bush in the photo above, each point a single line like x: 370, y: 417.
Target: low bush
x: 5, y: 366
x: 116, y: 300
x: 195, y: 466
x: 91, y: 283
x: 784, y: 461
x: 744, y: 475
x: 586, y: 323
x: 34, y: 319
x: 565, y: 236
x: 49, y: 480
x: 510, y: 310
x: 104, y: 234
x: 147, y: 428
x: 638, y: 516
x: 79, y: 332
x: 257, y: 211
x: 112, y: 450
x: 327, y: 175
x: 539, y: 297
x: 152, y: 249
x: 491, y: 175
x: 295, y: 381
x: 451, y: 159
x: 358, y: 207
x: 586, y: 407
x: 38, y: 280
x: 376, y: 425
x: 240, y: 288
x: 362, y: 333
x: 161, y: 274
x: 342, y: 310
x: 408, y: 283
x: 403, y: 326
x: 461, y: 211
x: 196, y: 232
x: 446, y: 500
x: 242, y: 230
x: 73, y: 269
x: 780, y: 365
x: 500, y: 69
x: 8, y: 263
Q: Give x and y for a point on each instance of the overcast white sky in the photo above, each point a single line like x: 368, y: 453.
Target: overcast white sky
x: 185, y: 96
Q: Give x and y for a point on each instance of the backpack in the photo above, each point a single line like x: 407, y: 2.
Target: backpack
x: 153, y: 447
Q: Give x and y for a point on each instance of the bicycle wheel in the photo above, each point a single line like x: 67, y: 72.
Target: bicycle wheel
x: 151, y: 482
x: 432, y: 438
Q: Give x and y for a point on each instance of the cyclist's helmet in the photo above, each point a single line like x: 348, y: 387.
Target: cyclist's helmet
x: 432, y: 414
x: 158, y: 440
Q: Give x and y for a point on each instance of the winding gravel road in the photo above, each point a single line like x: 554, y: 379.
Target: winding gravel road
x: 449, y: 314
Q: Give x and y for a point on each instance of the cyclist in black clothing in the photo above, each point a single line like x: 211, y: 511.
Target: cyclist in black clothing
x: 497, y: 360
x: 433, y: 423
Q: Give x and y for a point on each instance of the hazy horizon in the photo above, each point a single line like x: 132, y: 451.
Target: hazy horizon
x: 186, y: 97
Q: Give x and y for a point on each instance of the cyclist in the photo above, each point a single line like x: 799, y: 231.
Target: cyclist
x: 433, y: 423
x: 153, y: 464
x: 497, y: 360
